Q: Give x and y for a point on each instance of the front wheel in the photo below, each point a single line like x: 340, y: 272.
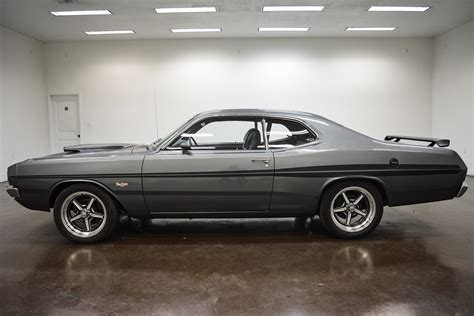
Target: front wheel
x: 84, y: 213
x: 351, y: 209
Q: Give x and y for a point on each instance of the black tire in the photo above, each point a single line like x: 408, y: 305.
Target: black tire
x: 65, y: 211
x: 336, y: 222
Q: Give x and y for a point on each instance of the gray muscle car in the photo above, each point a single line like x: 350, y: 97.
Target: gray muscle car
x: 240, y: 163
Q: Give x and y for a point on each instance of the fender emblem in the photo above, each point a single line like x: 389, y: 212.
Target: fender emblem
x: 121, y: 184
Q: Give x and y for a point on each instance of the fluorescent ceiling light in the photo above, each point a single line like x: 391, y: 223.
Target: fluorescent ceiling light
x: 397, y: 9
x: 283, y: 29
x: 195, y: 30
x: 186, y: 10
x: 293, y: 8
x: 86, y: 12
x: 370, y: 28
x: 109, y: 32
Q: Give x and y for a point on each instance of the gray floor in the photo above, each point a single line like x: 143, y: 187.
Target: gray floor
x: 420, y: 260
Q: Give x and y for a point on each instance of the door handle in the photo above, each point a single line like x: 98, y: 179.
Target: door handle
x: 265, y: 161
x: 261, y: 160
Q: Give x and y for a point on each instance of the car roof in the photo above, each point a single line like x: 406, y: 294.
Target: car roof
x: 261, y: 112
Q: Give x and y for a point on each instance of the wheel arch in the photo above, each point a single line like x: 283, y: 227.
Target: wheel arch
x: 61, y: 185
x: 373, y: 180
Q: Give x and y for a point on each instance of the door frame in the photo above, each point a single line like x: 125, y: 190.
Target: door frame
x: 52, y: 118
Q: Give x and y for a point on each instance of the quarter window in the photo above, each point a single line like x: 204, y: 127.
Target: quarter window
x: 287, y: 134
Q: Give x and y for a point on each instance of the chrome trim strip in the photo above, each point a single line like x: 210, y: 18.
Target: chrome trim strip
x: 264, y: 127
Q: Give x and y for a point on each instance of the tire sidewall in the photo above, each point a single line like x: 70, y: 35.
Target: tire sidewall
x: 111, y: 209
x: 325, y: 209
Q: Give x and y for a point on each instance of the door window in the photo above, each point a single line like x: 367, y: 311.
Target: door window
x: 242, y: 134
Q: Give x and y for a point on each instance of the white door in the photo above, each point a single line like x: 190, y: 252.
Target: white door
x: 65, y: 119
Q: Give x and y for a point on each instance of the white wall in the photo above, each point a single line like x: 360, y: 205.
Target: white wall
x: 23, y: 120
x: 453, y: 90
x: 132, y: 90
x: 377, y: 86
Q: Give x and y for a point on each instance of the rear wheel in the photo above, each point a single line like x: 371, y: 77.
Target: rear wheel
x: 351, y: 209
x: 84, y: 213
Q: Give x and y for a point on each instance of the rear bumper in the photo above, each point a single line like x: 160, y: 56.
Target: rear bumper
x: 463, y: 189
x: 13, y: 192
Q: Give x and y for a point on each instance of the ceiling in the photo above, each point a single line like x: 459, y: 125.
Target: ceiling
x: 237, y: 18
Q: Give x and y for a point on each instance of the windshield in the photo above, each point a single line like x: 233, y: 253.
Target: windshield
x: 159, y: 141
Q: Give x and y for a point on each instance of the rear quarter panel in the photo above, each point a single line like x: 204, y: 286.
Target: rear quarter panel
x: 424, y: 174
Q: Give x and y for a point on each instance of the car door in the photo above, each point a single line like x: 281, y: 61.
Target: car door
x: 214, y: 174
x: 294, y: 190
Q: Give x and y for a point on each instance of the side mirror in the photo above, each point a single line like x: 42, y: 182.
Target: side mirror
x: 186, y: 147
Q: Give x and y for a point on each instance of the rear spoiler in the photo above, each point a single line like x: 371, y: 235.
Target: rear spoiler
x: 433, y: 141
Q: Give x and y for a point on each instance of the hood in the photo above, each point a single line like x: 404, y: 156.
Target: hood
x: 97, y: 147
x: 93, y: 150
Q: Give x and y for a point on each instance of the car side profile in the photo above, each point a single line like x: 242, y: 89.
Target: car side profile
x: 240, y: 163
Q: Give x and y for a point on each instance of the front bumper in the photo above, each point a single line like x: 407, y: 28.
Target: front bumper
x: 463, y: 189
x: 13, y: 192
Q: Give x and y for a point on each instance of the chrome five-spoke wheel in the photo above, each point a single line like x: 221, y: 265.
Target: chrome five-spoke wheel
x: 352, y: 209
x: 83, y: 214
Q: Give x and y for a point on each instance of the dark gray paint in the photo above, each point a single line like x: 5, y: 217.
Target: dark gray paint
x: 169, y: 183
x: 207, y: 193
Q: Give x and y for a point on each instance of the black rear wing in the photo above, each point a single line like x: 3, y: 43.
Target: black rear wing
x: 433, y: 141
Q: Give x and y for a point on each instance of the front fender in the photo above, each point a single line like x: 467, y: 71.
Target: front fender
x: 129, y: 197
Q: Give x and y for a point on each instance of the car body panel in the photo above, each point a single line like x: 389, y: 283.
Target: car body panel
x: 409, y: 176
x: 38, y: 178
x: 209, y: 181
x: 159, y: 182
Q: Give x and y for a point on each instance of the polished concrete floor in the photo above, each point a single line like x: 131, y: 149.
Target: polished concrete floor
x: 419, y: 260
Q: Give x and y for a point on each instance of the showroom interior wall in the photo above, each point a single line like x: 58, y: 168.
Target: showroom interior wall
x: 23, y: 121
x: 377, y: 86
x: 453, y: 90
x: 134, y: 90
